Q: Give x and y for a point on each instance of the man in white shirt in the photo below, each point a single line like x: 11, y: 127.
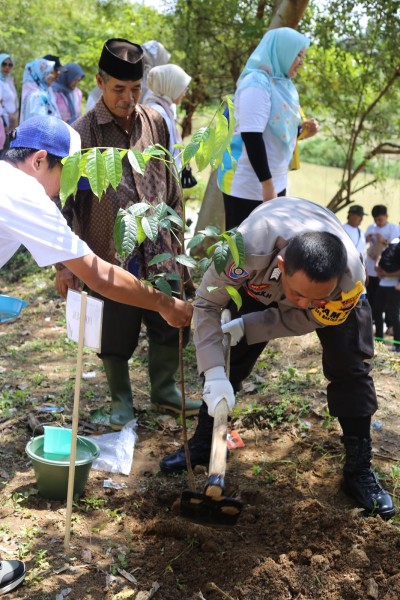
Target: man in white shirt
x: 353, y: 229
x: 381, y: 232
x: 30, y: 172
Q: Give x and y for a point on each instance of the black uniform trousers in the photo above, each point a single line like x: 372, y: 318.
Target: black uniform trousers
x: 346, y: 349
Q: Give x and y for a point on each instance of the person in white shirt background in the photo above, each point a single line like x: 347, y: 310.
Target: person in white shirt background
x: 353, y: 229
x: 382, y: 231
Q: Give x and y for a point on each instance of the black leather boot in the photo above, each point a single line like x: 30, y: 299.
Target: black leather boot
x: 199, y: 446
x: 360, y: 481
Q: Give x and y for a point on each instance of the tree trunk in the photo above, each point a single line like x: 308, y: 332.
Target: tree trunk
x: 288, y: 14
x: 212, y: 212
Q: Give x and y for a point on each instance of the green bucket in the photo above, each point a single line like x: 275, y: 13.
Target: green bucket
x: 51, y: 470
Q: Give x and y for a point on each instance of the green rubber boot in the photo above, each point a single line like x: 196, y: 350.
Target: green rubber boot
x: 117, y: 372
x: 163, y: 366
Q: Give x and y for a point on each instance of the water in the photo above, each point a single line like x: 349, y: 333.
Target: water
x: 83, y: 454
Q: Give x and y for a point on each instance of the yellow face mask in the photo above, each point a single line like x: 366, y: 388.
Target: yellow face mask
x: 335, y: 312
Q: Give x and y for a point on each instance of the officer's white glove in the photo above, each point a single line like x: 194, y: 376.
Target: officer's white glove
x: 216, y: 387
x: 236, y: 329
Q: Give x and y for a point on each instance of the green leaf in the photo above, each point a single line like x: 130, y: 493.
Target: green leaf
x: 204, y: 263
x: 201, y: 134
x: 189, y: 152
x: 222, y: 139
x: 232, y: 247
x: 138, y: 209
x: 176, y: 220
x: 174, y: 217
x: 231, y: 110
x: 125, y: 233
x: 137, y: 161
x: 164, y: 286
x: 69, y: 176
x: 173, y: 277
x: 171, y: 211
x: 239, y: 241
x: 150, y: 227
x: 196, y: 240
x: 113, y: 163
x: 234, y: 294
x: 82, y: 165
x: 210, y: 231
x: 159, y: 258
x: 220, y: 257
x: 185, y: 260
x: 156, y: 150
x: 141, y: 235
x: 161, y: 210
x: 96, y: 171
x: 206, y: 151
x: 211, y: 248
x: 146, y: 282
x: 165, y: 223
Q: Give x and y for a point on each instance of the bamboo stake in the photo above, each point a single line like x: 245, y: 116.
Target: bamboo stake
x: 75, y: 420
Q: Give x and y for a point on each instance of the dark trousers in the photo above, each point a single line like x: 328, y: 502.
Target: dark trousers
x: 372, y: 288
x: 238, y: 209
x: 387, y: 300
x: 121, y: 328
x: 346, y: 349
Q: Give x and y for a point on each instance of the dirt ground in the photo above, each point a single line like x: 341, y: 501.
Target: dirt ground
x: 299, y: 536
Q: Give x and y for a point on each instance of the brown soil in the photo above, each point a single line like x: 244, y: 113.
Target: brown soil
x: 299, y: 535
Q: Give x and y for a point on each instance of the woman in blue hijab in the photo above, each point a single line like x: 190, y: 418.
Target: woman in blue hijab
x: 9, y: 92
x: 267, y: 125
x: 36, y: 98
x: 68, y: 95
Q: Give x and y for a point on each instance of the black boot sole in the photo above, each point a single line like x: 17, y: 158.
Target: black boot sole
x: 384, y: 514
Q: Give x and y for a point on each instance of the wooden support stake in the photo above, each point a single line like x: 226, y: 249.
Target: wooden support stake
x: 75, y: 420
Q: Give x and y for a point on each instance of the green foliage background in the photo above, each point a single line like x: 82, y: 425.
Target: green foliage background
x: 352, y: 62
x: 75, y: 30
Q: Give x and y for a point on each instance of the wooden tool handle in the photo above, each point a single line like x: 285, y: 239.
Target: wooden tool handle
x: 217, y: 465
x: 218, y: 448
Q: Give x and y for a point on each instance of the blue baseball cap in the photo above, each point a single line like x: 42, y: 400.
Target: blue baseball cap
x: 46, y: 133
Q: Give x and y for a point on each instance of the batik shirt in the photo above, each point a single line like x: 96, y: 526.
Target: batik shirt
x: 93, y: 220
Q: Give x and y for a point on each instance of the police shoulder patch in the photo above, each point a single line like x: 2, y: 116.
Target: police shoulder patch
x: 237, y: 272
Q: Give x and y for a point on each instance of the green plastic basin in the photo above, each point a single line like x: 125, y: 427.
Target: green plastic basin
x: 51, y: 470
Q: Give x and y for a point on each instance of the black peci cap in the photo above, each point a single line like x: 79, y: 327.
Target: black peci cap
x: 122, y: 59
x: 56, y: 59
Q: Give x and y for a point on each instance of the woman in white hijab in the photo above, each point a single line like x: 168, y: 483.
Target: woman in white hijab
x: 168, y: 84
x: 154, y: 55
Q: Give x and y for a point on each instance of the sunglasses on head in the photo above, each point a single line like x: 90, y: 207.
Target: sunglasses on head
x: 7, y: 64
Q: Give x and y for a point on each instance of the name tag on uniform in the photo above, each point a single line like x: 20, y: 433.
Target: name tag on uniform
x: 335, y: 312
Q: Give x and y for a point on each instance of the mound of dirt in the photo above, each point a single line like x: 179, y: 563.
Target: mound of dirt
x: 299, y: 536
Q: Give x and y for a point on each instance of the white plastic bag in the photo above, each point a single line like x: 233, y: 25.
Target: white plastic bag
x: 116, y: 449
